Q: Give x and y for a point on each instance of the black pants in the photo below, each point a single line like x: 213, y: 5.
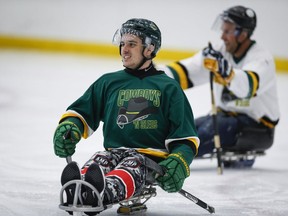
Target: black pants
x: 229, y: 128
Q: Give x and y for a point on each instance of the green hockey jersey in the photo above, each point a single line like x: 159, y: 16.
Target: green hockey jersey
x: 144, y: 110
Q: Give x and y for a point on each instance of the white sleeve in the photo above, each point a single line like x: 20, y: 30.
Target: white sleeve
x: 189, y: 70
x: 195, y: 69
x: 262, y: 64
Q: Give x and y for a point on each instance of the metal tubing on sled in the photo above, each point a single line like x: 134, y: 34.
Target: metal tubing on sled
x: 75, y: 207
x: 132, y: 204
x: 78, y: 208
x: 135, y: 205
x: 129, y: 204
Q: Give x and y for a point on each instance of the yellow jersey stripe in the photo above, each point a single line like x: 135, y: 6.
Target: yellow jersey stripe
x: 159, y: 154
x: 255, y: 82
x: 181, y: 73
x: 66, y: 115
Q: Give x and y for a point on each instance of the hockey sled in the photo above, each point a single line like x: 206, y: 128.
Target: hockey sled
x: 127, y: 207
x: 77, y: 207
x: 251, y: 143
x: 135, y: 204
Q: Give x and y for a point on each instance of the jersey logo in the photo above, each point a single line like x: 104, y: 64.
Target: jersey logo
x: 137, y: 109
x: 228, y: 96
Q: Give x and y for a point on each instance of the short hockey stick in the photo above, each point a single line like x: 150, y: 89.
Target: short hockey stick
x: 197, y: 201
x: 161, y: 171
x: 67, y: 135
x: 68, y: 159
x: 217, y: 143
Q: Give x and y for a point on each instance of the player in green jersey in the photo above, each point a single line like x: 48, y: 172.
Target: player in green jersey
x: 145, y: 114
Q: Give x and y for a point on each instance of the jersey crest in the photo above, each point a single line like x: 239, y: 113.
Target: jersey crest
x: 136, y: 105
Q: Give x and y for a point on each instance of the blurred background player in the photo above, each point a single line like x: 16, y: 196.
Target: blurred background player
x: 146, y: 115
x: 244, y: 85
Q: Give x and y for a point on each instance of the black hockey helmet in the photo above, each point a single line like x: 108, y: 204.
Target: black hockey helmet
x: 243, y: 17
x: 145, y: 29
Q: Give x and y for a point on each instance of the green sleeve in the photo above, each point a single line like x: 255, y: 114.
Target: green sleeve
x: 183, y: 150
x: 90, y: 105
x: 76, y: 121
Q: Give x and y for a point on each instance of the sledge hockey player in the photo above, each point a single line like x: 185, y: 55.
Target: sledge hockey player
x: 145, y: 114
x: 244, y: 86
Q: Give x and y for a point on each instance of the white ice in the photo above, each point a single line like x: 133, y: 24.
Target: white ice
x: 36, y: 88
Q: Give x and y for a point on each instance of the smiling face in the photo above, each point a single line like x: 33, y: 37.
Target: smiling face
x: 233, y: 37
x: 133, y: 52
x: 229, y: 36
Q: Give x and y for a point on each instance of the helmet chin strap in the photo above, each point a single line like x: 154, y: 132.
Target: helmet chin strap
x: 144, y: 60
x: 142, y: 63
x: 239, y: 44
x: 238, y: 47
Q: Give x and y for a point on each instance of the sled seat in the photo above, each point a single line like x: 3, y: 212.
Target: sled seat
x: 253, y: 139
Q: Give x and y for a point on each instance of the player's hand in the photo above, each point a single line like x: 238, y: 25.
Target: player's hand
x: 176, y: 170
x: 218, y: 65
x: 66, y: 136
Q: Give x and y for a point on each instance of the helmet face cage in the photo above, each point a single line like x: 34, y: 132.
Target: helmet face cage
x: 244, y: 19
x: 146, y: 30
x: 119, y: 34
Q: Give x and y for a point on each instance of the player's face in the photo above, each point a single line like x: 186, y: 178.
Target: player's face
x: 131, y: 51
x: 229, y: 36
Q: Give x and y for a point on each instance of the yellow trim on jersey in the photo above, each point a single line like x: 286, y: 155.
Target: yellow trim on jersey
x: 132, y: 113
x: 267, y: 123
x: 181, y: 73
x: 196, y: 143
x: 255, y: 82
x: 85, y: 133
x: 159, y: 154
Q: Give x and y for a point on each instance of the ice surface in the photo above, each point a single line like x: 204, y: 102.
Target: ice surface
x: 36, y: 88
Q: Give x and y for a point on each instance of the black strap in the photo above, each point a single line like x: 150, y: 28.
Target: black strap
x: 155, y: 168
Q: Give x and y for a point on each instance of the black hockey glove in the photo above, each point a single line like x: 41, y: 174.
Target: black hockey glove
x: 218, y: 65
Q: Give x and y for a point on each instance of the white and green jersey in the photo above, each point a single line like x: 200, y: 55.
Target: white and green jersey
x: 145, y: 110
x: 252, y: 91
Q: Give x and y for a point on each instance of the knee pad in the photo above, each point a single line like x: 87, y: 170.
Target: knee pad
x: 104, y: 159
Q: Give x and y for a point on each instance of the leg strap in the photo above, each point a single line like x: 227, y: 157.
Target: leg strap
x: 155, y: 168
